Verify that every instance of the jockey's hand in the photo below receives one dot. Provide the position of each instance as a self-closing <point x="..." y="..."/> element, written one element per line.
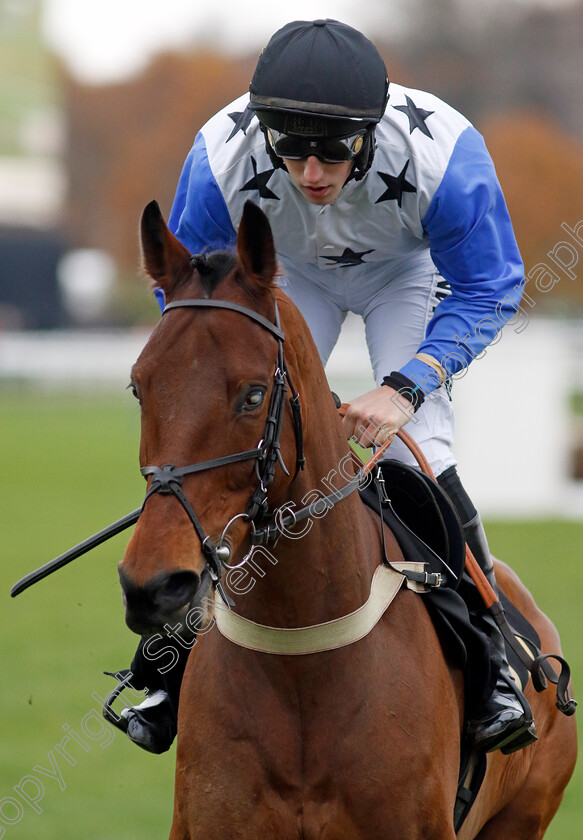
<point x="375" y="415"/>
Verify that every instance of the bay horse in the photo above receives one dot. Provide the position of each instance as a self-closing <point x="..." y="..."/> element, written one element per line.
<point x="360" y="742"/>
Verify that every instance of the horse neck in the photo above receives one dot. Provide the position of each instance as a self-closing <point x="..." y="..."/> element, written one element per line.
<point x="323" y="568"/>
<point x="318" y="571"/>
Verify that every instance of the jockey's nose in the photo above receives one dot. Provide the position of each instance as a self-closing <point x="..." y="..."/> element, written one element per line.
<point x="313" y="169"/>
<point x="158" y="601"/>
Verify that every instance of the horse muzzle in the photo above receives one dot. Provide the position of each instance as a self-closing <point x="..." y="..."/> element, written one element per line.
<point x="162" y="601"/>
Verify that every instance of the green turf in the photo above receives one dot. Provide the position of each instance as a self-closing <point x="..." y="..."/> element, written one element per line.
<point x="547" y="555"/>
<point x="68" y="466"/>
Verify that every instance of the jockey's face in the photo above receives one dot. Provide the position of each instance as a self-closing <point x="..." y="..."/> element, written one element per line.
<point x="318" y="182"/>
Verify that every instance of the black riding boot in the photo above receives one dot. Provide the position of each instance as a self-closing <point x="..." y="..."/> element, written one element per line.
<point x="505" y="720"/>
<point x="504" y="723"/>
<point x="152" y="725"/>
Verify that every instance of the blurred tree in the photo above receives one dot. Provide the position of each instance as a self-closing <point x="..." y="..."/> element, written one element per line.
<point x="483" y="57"/>
<point x="540" y="168"/>
<point x="127" y="143"/>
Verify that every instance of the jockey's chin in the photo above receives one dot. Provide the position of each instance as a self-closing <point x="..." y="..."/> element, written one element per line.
<point x="319" y="183"/>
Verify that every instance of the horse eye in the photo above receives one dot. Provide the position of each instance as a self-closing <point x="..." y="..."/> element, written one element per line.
<point x="131" y="387"/>
<point x="254" y="398"/>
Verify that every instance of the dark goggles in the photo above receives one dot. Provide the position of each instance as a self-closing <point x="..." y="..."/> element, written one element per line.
<point x="326" y="149"/>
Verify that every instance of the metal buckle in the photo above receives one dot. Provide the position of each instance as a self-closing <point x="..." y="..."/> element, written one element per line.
<point x="382" y="486"/>
<point x="433" y="579"/>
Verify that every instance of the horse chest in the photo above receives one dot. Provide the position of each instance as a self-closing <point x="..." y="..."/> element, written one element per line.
<point x="303" y="752"/>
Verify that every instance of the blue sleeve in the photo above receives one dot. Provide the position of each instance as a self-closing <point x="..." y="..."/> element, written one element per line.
<point x="473" y="246"/>
<point x="199" y="217"/>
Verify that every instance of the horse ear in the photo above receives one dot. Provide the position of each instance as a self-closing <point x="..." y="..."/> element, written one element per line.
<point x="164" y="258"/>
<point x="255" y="247"/>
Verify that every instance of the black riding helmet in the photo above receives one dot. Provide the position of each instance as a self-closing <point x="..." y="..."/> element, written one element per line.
<point x="320" y="79"/>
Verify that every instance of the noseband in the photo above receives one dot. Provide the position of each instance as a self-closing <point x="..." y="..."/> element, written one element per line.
<point x="168" y="478"/>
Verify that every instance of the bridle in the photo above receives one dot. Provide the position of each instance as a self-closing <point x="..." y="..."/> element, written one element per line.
<point x="168" y="478"/>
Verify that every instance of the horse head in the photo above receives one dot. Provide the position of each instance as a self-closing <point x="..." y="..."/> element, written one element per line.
<point x="216" y="429"/>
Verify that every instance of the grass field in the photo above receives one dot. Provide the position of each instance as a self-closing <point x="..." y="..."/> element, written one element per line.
<point x="68" y="467"/>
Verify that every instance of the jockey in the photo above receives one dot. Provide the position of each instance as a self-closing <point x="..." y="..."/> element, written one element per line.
<point x="383" y="202"/>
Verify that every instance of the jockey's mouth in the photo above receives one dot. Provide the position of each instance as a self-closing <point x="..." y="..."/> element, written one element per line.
<point x="316" y="192"/>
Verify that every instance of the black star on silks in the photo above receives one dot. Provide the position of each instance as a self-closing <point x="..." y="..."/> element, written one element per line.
<point x="349" y="257"/>
<point x="242" y="120"/>
<point x="417" y="117"/>
<point x="443" y="290"/>
<point x="259" y="182"/>
<point x="396" y="186"/>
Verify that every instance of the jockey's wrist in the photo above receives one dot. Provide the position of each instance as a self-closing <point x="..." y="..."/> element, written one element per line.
<point x="406" y="388"/>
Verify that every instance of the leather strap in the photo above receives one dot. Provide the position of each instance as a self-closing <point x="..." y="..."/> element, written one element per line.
<point x="202" y="303"/>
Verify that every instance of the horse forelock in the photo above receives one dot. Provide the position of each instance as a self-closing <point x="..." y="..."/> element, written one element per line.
<point x="211" y="269"/>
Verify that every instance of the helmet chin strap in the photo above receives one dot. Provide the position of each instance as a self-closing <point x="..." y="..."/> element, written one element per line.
<point x="275" y="159"/>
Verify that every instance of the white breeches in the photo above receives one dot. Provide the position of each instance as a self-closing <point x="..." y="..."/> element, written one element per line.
<point x="396" y="301"/>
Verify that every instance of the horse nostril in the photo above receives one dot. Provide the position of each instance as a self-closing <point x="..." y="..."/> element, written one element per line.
<point x="176" y="590"/>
